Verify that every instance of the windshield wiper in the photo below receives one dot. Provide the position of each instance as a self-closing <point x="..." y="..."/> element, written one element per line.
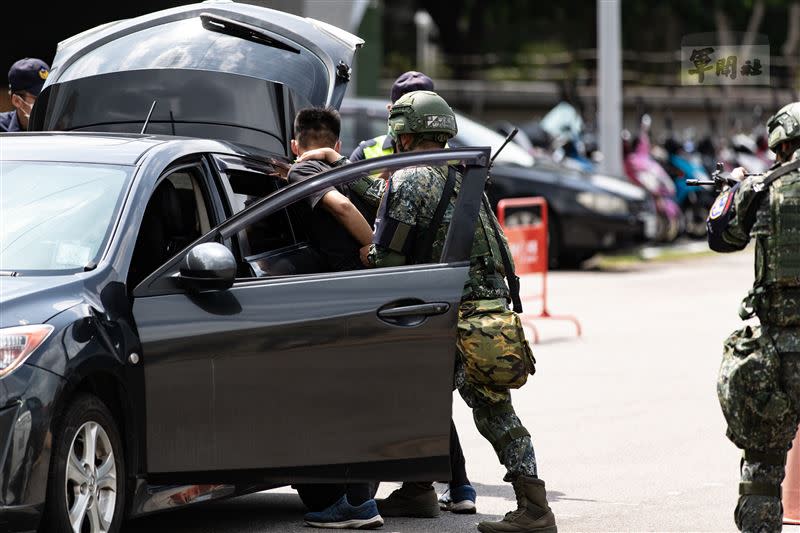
<point x="9" y="273"/>
<point x="243" y="31"/>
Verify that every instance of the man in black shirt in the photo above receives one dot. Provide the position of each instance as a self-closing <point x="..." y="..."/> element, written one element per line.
<point x="338" y="229"/>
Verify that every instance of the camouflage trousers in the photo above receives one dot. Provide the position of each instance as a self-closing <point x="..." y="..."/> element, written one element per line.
<point x="757" y="513"/>
<point x="516" y="454"/>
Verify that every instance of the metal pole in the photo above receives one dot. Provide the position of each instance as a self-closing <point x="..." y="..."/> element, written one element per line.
<point x="609" y="85"/>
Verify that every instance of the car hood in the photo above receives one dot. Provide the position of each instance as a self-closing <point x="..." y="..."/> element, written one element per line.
<point x="223" y="70"/>
<point x="35" y="299"/>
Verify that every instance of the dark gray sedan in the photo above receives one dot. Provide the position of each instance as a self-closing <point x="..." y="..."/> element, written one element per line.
<point x="160" y="345"/>
<point x="168" y="334"/>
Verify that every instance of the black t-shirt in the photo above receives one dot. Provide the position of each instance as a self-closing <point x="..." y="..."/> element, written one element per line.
<point x="328" y="236"/>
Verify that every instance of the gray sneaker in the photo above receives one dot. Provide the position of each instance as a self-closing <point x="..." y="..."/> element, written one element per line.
<point x="415" y="500"/>
<point x="459" y="500"/>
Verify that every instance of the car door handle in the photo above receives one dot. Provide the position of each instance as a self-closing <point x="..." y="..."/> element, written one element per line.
<point x="426" y="309"/>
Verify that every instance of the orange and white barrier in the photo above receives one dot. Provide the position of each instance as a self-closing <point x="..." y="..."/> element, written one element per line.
<point x="528" y="243"/>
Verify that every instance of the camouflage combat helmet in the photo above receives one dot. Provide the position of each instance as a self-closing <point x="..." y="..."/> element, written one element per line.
<point x="422" y="113"/>
<point x="784" y="125"/>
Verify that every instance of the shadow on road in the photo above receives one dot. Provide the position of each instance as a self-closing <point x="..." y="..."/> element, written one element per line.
<point x="505" y="491"/>
<point x="254" y="512"/>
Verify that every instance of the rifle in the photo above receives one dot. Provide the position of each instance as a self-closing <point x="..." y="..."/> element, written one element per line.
<point x="718" y="181"/>
<point x="508" y="139"/>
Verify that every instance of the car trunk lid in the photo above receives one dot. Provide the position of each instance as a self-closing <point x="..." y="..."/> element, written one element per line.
<point x="223" y="70"/>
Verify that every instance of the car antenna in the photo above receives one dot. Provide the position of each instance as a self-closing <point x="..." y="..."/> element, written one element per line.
<point x="508" y="140"/>
<point x="147" y="120"/>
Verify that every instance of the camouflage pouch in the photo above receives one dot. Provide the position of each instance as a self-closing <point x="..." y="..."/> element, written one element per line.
<point x="758" y="411"/>
<point x="492" y="343"/>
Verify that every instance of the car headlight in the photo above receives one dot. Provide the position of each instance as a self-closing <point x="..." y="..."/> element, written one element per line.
<point x="18" y="342"/>
<point x="603" y="203"/>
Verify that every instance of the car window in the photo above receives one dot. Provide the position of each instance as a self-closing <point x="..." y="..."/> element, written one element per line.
<point x="177" y="213"/>
<point x="301" y="257"/>
<point x="323" y="244"/>
<point x="271" y="233"/>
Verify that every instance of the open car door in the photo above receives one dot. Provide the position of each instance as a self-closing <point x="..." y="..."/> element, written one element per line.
<point x="312" y="377"/>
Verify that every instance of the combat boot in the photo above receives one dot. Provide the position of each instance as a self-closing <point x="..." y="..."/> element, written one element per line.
<point x="415" y="500"/>
<point x="533" y="515"/>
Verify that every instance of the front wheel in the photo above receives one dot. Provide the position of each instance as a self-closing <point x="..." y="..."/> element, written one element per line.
<point x="86" y="489"/>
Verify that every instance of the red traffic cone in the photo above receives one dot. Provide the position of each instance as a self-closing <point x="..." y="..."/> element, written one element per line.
<point x="791" y="484"/>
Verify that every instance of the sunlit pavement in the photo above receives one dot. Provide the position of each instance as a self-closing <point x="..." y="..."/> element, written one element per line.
<point x="628" y="432"/>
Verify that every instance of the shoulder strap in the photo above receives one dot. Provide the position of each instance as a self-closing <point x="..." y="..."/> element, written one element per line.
<point x="781" y="171"/>
<point x="425" y="246"/>
<point x="768" y="181"/>
<point x="508" y="266"/>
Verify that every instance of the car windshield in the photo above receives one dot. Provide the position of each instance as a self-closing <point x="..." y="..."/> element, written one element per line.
<point x="470" y="133"/>
<point x="57" y="217"/>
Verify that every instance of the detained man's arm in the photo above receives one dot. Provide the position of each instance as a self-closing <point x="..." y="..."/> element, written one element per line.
<point x="348" y="216"/>
<point x="368" y="188"/>
<point x="321" y="154"/>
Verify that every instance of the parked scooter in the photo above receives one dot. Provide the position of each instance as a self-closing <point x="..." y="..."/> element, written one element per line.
<point x="694" y="201"/>
<point x="644" y="170"/>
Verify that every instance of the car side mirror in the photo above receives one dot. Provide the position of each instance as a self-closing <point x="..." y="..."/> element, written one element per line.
<point x="209" y="266"/>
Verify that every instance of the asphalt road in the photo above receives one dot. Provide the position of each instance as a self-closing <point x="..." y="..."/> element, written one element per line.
<point x="628" y="432"/>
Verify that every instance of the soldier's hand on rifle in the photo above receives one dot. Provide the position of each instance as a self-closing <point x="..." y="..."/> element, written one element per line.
<point x="738" y="173"/>
<point x="719" y="180"/>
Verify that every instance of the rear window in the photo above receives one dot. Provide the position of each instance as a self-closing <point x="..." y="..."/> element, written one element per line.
<point x="187" y="45"/>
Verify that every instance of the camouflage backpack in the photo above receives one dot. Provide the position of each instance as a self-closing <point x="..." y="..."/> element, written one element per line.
<point x="492" y="343"/>
<point x="759" y="413"/>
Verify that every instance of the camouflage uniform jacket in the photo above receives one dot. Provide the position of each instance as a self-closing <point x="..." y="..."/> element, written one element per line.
<point x="772" y="219"/>
<point x="413" y="198"/>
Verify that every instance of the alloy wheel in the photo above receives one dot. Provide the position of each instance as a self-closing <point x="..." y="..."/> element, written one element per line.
<point x="91" y="480"/>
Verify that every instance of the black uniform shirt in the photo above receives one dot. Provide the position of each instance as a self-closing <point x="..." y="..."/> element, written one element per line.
<point x="328" y="236"/>
<point x="9" y="122"/>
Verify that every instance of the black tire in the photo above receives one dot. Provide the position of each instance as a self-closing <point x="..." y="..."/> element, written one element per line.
<point x="83" y="411"/>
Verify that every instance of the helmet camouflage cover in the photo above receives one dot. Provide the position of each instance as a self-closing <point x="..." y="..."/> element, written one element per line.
<point x="784" y="125"/>
<point x="422" y="113"/>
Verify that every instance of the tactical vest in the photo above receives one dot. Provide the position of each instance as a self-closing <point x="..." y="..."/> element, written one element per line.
<point x="776" y="231"/>
<point x="376" y="150"/>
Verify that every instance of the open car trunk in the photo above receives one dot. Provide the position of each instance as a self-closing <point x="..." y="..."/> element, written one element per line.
<point x="227" y="71"/>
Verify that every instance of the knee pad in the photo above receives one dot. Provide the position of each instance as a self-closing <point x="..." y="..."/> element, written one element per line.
<point x="499" y="425"/>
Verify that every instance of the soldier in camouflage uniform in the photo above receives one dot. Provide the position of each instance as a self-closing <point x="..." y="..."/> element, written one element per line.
<point x="759" y="381"/>
<point x="492" y="352"/>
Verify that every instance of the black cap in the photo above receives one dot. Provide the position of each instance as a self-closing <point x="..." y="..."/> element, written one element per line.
<point x="29" y="75"/>
<point x="410" y="81"/>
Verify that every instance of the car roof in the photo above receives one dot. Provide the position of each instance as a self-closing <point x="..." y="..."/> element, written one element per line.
<point x="84" y="147"/>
